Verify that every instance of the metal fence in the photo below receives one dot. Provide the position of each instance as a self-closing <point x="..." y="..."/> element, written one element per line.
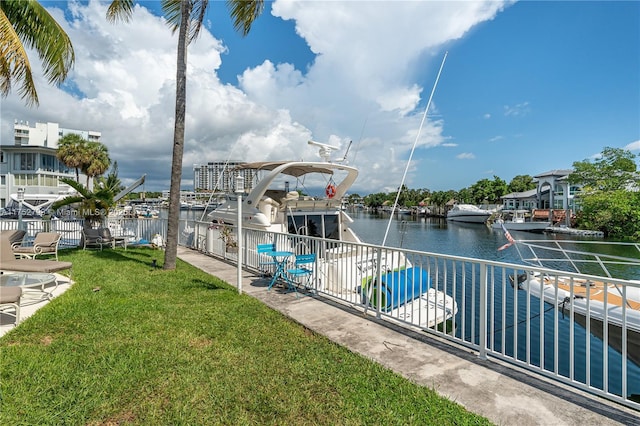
<point x="501" y="312"/>
<point x="547" y="331"/>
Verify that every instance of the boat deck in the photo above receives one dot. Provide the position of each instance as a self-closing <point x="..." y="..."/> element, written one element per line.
<point x="595" y="290"/>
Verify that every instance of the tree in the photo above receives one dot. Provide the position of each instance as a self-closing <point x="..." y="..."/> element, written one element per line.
<point x="26" y="24"/>
<point x="97" y="160"/>
<point x="72" y="152"/>
<point x="92" y="158"/>
<point x="616" y="213"/>
<point x="94" y="205"/>
<point x="521" y="183"/>
<point x="615" y="169"/>
<point x="186" y="17"/>
<point x="609" y="199"/>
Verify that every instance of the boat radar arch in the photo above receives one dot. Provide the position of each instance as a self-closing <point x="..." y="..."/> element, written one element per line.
<point x="325" y="150"/>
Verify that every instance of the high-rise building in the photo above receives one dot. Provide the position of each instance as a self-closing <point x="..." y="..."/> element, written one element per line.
<point x="220" y="176"/>
<point x="29" y="166"/>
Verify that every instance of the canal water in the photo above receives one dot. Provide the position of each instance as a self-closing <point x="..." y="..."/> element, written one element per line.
<point x="437" y="235"/>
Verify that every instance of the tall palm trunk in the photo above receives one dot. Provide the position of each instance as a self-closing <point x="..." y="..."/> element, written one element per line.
<point x="171" y="252"/>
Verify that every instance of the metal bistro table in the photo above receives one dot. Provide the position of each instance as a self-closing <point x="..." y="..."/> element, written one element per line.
<point x="280" y="257"/>
<point x="31" y="281"/>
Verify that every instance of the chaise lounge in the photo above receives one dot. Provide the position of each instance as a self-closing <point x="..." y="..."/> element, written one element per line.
<point x="8" y="261"/>
<point x="15" y="236"/>
<point x="45" y="244"/>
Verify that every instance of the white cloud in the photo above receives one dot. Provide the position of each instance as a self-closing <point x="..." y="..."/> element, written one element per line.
<point x="466" y="156"/>
<point x="362" y="82"/>
<point x="633" y="146"/>
<point x="517" y="110"/>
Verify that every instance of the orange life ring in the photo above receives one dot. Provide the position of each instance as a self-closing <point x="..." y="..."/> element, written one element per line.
<point x="330" y="190"/>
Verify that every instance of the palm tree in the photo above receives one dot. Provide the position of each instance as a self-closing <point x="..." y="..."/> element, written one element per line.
<point x="186" y="17"/>
<point x="25" y="23"/>
<point x="97" y="160"/>
<point x="72" y="152"/>
<point x="94" y="205"/>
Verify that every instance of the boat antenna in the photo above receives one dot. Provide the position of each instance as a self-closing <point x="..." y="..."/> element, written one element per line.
<point x="325" y="150"/>
<point x="424" y="116"/>
<point x="344" y="158"/>
<point x="217" y="186"/>
<point x="360" y="140"/>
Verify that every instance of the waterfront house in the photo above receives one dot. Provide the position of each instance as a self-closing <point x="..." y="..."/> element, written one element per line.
<point x="29" y="168"/>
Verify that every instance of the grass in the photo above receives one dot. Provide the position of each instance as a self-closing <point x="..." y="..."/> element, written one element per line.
<point x="128" y="344"/>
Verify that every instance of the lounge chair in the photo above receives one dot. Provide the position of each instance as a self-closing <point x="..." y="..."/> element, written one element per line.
<point x="10" y="301"/>
<point x="15" y="236"/>
<point x="45" y="244"/>
<point x="8" y="261"/>
<point x="97" y="238"/>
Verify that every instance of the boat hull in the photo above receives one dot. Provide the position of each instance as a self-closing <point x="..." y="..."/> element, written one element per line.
<point x="585" y="305"/>
<point x="469" y="217"/>
<point x="521" y="226"/>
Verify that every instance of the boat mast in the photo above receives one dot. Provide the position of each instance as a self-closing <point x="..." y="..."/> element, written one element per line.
<point x="415" y="142"/>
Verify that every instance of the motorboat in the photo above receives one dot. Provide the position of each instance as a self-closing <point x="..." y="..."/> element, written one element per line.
<point x="468" y="213"/>
<point x="518" y="220"/>
<point x="313" y="208"/>
<point x="611" y="297"/>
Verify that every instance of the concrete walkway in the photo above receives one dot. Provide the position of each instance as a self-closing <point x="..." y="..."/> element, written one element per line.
<point x="500" y="392"/>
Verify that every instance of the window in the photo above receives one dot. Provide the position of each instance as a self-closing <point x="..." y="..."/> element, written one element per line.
<point x="323" y="226"/>
<point x="26" y="161"/>
<point x="48" y="162"/>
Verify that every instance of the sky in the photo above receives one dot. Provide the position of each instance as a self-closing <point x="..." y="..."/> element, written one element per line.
<point x="526" y="87"/>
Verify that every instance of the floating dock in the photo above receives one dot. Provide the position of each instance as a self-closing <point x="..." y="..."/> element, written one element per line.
<point x="573" y="231"/>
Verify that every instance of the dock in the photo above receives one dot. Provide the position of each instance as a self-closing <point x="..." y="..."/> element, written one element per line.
<point x="573" y="231"/>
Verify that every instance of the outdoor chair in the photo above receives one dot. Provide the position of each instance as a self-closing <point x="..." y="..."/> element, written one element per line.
<point x="45" y="244"/>
<point x="264" y="251"/>
<point x="15" y="236"/>
<point x="10" y="302"/>
<point x="302" y="271"/>
<point x="8" y="261"/>
<point x="97" y="238"/>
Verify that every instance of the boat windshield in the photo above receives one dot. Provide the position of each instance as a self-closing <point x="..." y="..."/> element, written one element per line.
<point x="315" y="225"/>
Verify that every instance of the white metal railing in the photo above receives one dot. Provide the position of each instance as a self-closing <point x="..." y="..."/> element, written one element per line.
<point x="560" y="335"/>
<point x="503" y="310"/>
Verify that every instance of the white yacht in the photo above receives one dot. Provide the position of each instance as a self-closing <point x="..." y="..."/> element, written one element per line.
<point x="519" y="220"/>
<point x="272" y="205"/>
<point x="468" y="213"/>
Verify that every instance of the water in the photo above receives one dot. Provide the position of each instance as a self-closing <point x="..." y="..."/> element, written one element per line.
<point x="478" y="241"/>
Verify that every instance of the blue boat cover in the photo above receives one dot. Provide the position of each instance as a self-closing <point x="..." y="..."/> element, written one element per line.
<point x="399" y="287"/>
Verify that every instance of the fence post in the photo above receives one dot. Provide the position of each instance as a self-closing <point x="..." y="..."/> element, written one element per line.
<point x="482" y="344"/>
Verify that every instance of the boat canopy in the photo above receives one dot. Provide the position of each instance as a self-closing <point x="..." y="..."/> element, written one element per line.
<point x="295" y="170"/>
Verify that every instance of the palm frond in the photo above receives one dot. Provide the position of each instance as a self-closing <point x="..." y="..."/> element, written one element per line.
<point x="120" y="10"/>
<point x="244" y="13"/>
<point x="76" y="185"/>
<point x="37" y="29"/>
<point x="173" y="13"/>
<point x="14" y="62"/>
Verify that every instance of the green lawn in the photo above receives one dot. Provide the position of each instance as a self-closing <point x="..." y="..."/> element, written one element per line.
<point x="128" y="344"/>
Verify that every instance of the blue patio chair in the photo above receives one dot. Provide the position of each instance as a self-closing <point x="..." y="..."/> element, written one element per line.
<point x="302" y="271"/>
<point x="264" y="265"/>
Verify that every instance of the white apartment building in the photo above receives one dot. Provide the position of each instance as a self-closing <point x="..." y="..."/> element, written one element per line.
<point x="30" y="165"/>
<point x="220" y="176"/>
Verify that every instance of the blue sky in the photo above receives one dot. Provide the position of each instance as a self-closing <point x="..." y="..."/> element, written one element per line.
<point x="527" y="87"/>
